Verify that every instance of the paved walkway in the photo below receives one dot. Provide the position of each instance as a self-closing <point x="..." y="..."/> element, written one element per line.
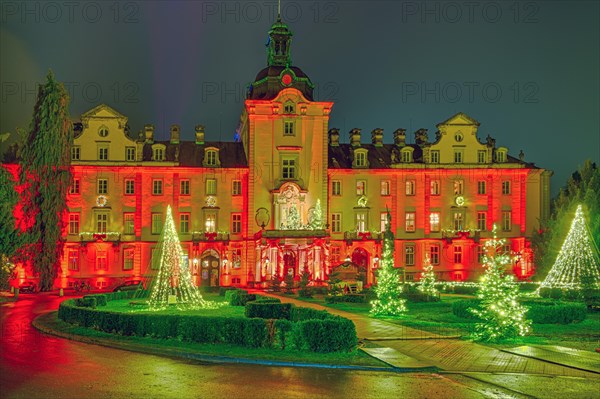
<point x="425" y="349"/>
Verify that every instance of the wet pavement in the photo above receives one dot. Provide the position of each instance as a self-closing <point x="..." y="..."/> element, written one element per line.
<point x="34" y="365"/>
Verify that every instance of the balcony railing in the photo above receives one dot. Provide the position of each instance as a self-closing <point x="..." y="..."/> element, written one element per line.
<point x="109" y="236"/>
<point x="203" y="236"/>
<point x="362" y="235"/>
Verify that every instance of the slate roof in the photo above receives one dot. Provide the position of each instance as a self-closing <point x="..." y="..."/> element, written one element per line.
<point x="340" y="157"/>
<point x="231" y="154"/>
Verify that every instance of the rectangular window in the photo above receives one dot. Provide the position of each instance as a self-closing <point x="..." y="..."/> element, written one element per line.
<point x="288" y="168"/>
<point x="236" y="223"/>
<point x="435" y="187"/>
<point x="458" y="156"/>
<point x="129" y="186"/>
<point x="482" y="221"/>
<point x="335" y="255"/>
<point x="101" y="260"/>
<point x="435" y="156"/>
<point x="409" y="255"/>
<point x="184" y="187"/>
<point x="128" y="256"/>
<point x="361" y="159"/>
<point x="74" y="189"/>
<point x="410" y="222"/>
<point x="382" y="221"/>
<point x="336" y="222"/>
<point x="73" y="223"/>
<point x="457" y="254"/>
<point x="157" y="223"/>
<point x="211" y="158"/>
<point x="458" y="221"/>
<point x="506" y="187"/>
<point x="75" y="153"/>
<point x="211" y="186"/>
<point x="155" y="261"/>
<point x="434" y="255"/>
<point x="73" y="259"/>
<point x="101" y="222"/>
<point x="480" y="254"/>
<point x="385" y="188"/>
<point x="129" y="223"/>
<point x="236" y="258"/>
<point x="102" y="186"/>
<point x="336" y="188"/>
<point x="288" y="128"/>
<point x="434" y="222"/>
<point x="210" y="223"/>
<point x="130" y="153"/>
<point x="506" y="220"/>
<point x="361" y="187"/>
<point x="157" y="187"/>
<point x="103" y="153"/>
<point x="236" y="187"/>
<point x="481" y="156"/>
<point x="361" y="222"/>
<point x="506" y="249"/>
<point x="481" y="188"/>
<point x="406" y="156"/>
<point x="410" y="187"/>
<point x="184" y="223"/>
<point x="458" y="187"/>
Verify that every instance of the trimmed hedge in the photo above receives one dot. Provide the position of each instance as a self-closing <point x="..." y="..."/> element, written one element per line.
<point x="540" y="311"/>
<point x="309" y="329"/>
<point x="266" y="299"/>
<point x="268" y="310"/>
<point x="239" y="297"/>
<point x="223" y="290"/>
<point x="558" y="313"/>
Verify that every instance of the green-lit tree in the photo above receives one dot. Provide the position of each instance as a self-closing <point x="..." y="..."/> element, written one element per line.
<point x="173" y="283"/>
<point x="316" y="222"/>
<point x="577" y="259"/>
<point x="388" y="289"/>
<point x="582" y="188"/>
<point x="45" y="175"/>
<point x="10" y="240"/>
<point x="305" y="290"/>
<point x="428" y="280"/>
<point x="502" y="315"/>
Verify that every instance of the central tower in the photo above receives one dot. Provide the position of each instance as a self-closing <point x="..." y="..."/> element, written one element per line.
<point x="284" y="132"/>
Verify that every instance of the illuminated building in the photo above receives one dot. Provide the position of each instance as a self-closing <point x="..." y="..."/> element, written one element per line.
<point x="246" y="209"/>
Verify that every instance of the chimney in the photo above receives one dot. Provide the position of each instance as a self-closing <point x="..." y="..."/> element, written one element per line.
<point x="421" y="137"/>
<point x="199" y="134"/>
<point x="149" y="132"/>
<point x="355" y="137"/>
<point x="334" y="137"/>
<point x="400" y="137"/>
<point x="174" y="134"/>
<point x="377" y="137"/>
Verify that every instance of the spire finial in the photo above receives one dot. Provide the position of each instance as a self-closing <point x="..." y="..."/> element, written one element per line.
<point x="278" y="10"/>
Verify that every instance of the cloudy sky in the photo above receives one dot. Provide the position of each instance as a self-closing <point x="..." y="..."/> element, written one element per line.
<point x="528" y="71"/>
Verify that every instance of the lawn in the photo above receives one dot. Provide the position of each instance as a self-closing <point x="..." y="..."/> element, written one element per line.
<point x="437" y="317"/>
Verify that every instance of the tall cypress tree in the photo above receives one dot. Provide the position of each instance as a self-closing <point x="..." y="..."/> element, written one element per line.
<point x="10" y="239"/>
<point x="46" y="175"/>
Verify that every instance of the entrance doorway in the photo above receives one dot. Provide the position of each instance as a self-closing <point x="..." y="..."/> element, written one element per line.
<point x="210" y="266"/>
<point x="289" y="264"/>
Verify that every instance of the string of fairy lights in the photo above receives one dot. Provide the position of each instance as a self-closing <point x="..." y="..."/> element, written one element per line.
<point x="173" y="283"/>
<point x="577" y="262"/>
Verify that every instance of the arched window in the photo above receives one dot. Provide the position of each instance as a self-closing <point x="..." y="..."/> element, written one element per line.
<point x="103" y="131"/>
<point x="158" y="152"/>
<point x="360" y="158"/>
<point x="407" y="154"/>
<point x="211" y="157"/>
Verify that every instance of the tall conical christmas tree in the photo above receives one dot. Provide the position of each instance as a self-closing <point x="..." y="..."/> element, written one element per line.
<point x="388" y="289"/>
<point x="173" y="283"/>
<point x="292" y="221"/>
<point x="502" y="316"/>
<point x="316" y="222"/>
<point x="427" y="282"/>
<point x="577" y="258"/>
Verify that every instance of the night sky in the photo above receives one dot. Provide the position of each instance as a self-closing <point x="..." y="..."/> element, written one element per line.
<point x="528" y="71"/>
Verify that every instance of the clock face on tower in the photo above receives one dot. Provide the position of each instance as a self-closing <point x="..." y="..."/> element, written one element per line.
<point x="460" y="200"/>
<point x="286" y="79"/>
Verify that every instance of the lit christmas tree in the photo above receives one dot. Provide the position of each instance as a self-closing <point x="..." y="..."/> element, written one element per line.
<point x="427" y="282"/>
<point x="316" y="222"/>
<point x="388" y="289"/>
<point x="292" y="221"/>
<point x="577" y="259"/>
<point x="173" y="283"/>
<point x="502" y="316"/>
